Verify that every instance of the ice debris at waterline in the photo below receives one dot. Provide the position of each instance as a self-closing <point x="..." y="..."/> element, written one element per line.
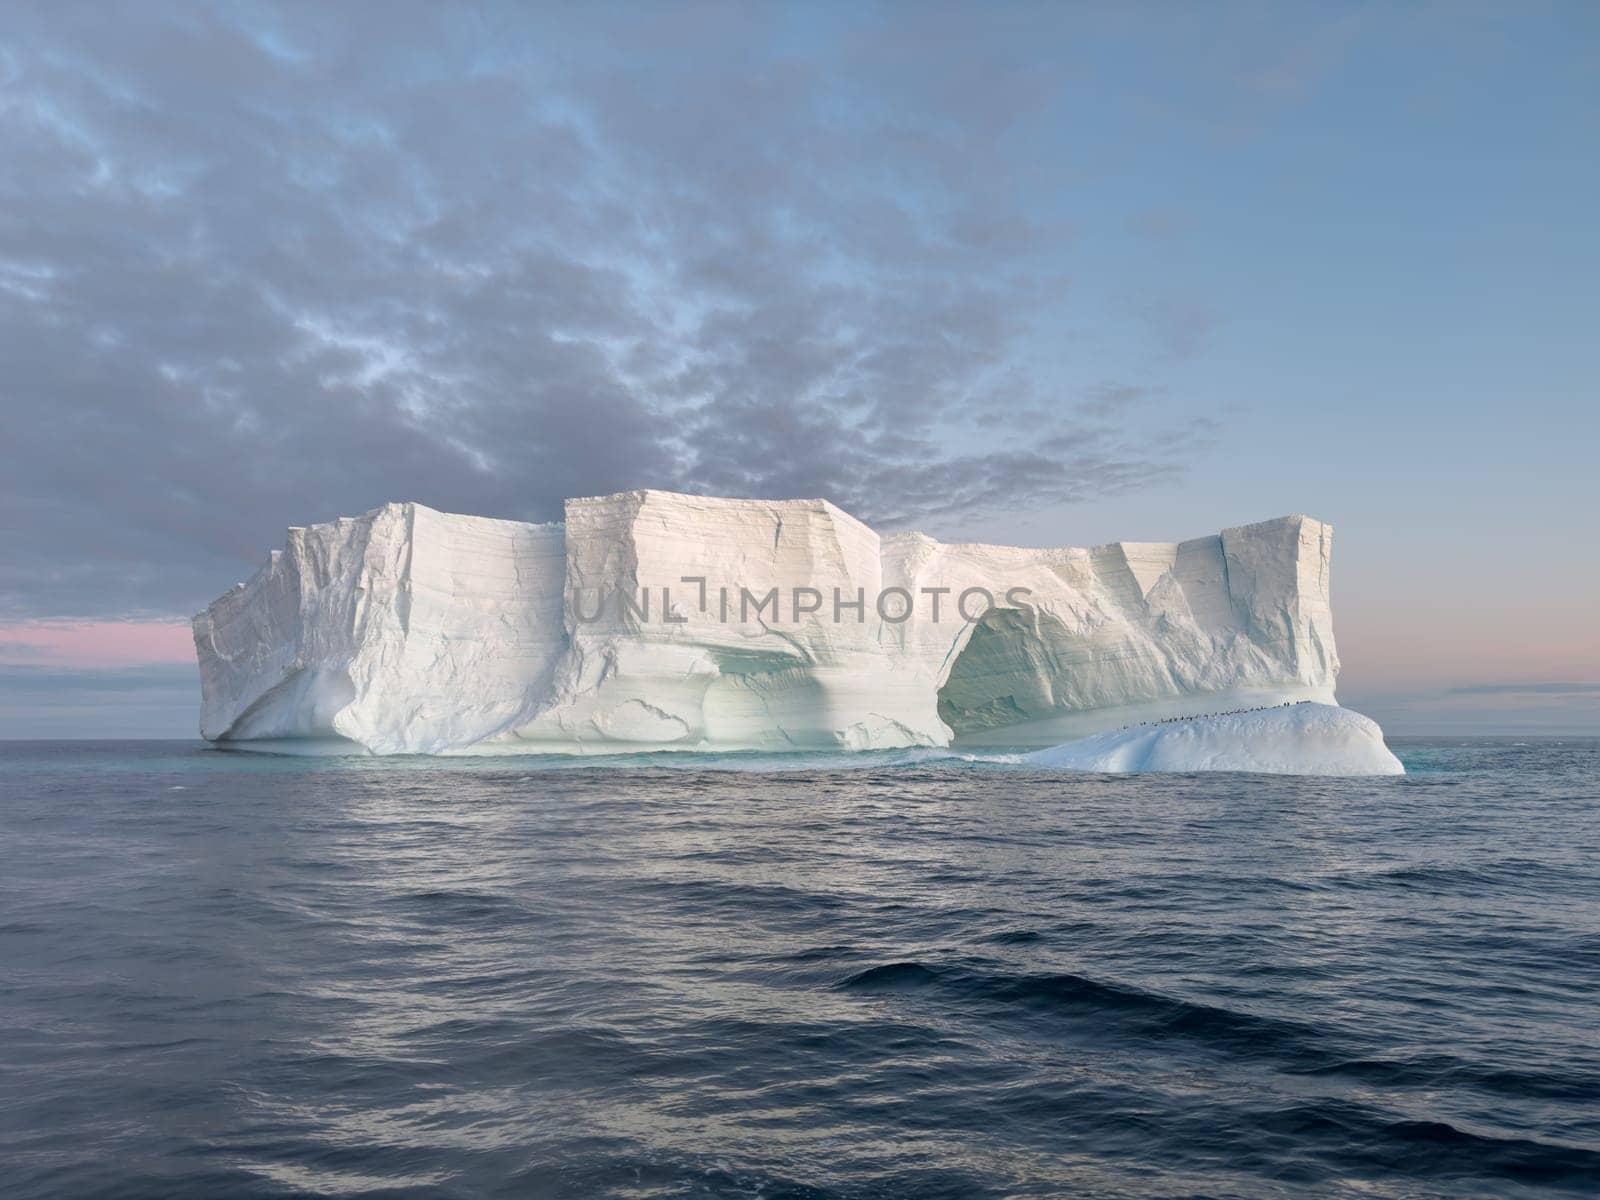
<point x="654" y="621"/>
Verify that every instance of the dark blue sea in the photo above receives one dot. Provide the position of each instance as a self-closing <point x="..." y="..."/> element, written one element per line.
<point x="230" y="975"/>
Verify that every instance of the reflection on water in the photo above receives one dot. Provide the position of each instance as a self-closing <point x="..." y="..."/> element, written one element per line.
<point x="244" y="975"/>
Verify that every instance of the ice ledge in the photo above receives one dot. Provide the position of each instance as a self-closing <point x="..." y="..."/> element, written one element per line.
<point x="1293" y="739"/>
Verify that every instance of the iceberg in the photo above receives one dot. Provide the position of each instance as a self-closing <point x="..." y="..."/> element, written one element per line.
<point x="1293" y="739"/>
<point x="650" y="620"/>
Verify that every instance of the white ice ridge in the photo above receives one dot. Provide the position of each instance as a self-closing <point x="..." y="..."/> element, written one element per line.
<point x="649" y="620"/>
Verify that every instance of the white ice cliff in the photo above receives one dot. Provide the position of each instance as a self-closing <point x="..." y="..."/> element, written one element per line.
<point x="650" y="620"/>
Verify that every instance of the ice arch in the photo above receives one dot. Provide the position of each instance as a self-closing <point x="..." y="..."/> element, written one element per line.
<point x="1004" y="675"/>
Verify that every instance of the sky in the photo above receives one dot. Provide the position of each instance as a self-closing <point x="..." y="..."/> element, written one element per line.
<point x="1044" y="274"/>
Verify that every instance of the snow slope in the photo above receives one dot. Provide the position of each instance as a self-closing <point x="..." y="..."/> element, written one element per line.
<point x="1300" y="739"/>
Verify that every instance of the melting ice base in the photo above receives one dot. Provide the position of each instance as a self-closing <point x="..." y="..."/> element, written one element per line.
<point x="1298" y="739"/>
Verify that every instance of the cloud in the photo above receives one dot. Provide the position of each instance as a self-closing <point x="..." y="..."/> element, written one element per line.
<point x="1531" y="689"/>
<point x="1180" y="329"/>
<point x="1108" y="400"/>
<point x="97" y="643"/>
<point x="264" y="266"/>
<point x="1156" y="224"/>
<point x="60" y="702"/>
<point x="1485" y="708"/>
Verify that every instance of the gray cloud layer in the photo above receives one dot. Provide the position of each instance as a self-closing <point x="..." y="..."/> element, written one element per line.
<point x="266" y="266"/>
<point x="58" y="702"/>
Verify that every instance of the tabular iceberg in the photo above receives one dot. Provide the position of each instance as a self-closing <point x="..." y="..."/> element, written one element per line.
<point x="650" y="620"/>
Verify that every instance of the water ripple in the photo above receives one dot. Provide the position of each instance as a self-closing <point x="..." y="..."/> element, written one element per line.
<point x="239" y="976"/>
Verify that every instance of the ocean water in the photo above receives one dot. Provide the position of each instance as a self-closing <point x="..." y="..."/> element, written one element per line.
<point x="227" y="975"/>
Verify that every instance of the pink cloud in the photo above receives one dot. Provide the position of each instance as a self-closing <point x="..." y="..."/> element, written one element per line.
<point x="96" y="643"/>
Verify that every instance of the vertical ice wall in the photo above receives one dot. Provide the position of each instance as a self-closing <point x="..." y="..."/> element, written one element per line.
<point x="410" y="630"/>
<point x="404" y="630"/>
